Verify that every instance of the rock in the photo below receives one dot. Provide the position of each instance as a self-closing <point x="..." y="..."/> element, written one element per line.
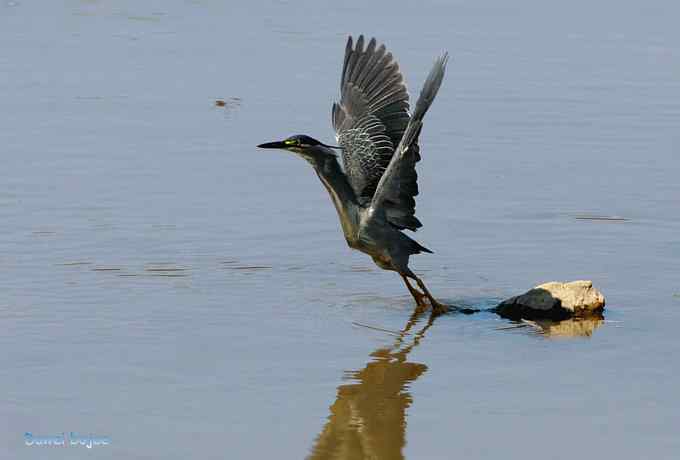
<point x="554" y="300"/>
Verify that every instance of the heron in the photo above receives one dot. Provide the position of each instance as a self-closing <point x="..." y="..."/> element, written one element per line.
<point x="377" y="135"/>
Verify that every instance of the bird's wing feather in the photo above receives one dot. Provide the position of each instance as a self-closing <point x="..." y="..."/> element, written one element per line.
<point x="393" y="193"/>
<point x="370" y="118"/>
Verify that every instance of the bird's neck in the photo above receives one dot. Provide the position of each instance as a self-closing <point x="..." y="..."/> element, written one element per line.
<point x="342" y="194"/>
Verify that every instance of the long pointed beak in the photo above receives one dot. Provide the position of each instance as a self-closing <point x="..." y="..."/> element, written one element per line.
<point x="273" y="145"/>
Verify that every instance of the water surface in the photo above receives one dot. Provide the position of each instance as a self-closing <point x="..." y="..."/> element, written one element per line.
<point x="166" y="284"/>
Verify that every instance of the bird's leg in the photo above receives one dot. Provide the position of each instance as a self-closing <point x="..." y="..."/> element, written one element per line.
<point x="437" y="308"/>
<point x="419" y="297"/>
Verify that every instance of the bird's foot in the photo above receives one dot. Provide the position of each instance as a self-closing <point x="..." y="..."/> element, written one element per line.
<point x="420" y="309"/>
<point x="423" y="298"/>
<point x="439" y="308"/>
<point x="423" y="302"/>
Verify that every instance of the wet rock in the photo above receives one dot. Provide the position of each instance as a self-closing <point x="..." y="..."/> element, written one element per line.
<point x="554" y="300"/>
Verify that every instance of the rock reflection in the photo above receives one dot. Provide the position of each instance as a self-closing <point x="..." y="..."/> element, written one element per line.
<point x="368" y="418"/>
<point x="572" y="327"/>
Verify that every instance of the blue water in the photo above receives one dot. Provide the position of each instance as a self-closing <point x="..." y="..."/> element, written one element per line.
<point x="167" y="285"/>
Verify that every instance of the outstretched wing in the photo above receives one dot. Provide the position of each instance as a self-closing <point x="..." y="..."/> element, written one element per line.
<point x="369" y="122"/>
<point x="391" y="193"/>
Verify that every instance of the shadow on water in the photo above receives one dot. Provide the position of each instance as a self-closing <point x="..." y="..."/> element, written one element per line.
<point x="368" y="418"/>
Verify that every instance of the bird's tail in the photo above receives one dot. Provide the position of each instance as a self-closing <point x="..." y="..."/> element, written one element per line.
<point x="414" y="247"/>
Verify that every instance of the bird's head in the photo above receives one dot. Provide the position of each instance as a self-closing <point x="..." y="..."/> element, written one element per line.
<point x="300" y="144"/>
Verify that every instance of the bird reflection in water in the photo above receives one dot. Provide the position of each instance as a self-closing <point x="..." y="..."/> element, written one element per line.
<point x="368" y="418"/>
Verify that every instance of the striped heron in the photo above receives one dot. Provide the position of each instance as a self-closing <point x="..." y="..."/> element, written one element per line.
<point x="374" y="191"/>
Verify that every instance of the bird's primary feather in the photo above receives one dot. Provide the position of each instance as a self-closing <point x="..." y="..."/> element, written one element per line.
<point x="369" y="122"/>
<point x="390" y="194"/>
